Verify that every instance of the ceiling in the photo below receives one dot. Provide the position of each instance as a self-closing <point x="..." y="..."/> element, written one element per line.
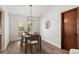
<point x="24" y="10"/>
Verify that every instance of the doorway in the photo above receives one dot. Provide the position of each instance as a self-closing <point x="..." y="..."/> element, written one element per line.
<point x="69" y="29"/>
<point x="0" y="30"/>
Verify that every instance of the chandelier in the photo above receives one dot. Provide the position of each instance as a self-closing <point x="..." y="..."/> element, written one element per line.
<point x="30" y="17"/>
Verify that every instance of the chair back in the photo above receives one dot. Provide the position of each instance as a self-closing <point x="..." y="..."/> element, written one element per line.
<point x="34" y="37"/>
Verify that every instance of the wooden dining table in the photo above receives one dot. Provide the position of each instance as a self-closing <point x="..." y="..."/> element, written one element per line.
<point x="26" y="37"/>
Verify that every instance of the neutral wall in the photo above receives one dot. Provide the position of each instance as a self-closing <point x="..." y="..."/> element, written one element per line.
<point x="5" y="36"/>
<point x="53" y="34"/>
<point x="13" y="23"/>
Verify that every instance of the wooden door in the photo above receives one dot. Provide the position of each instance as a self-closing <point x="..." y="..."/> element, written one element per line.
<point x="0" y="42"/>
<point x="0" y="30"/>
<point x="69" y="40"/>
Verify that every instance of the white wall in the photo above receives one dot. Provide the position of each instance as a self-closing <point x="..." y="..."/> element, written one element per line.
<point x="14" y="21"/>
<point x="36" y="25"/>
<point x="5" y="37"/>
<point x="53" y="34"/>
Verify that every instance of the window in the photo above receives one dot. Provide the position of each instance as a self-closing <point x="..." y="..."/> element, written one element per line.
<point x="21" y="27"/>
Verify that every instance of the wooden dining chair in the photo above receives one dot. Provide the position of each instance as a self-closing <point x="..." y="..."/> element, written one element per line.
<point x="22" y="39"/>
<point x="33" y="41"/>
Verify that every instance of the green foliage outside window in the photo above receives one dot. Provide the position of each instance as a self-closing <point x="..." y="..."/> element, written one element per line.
<point x="29" y="27"/>
<point x="21" y="27"/>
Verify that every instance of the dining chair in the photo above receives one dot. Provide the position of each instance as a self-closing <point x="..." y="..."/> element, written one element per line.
<point x="23" y="34"/>
<point x="22" y="39"/>
<point x="33" y="41"/>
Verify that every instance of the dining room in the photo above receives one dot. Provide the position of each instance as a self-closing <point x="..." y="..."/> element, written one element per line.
<point x="33" y="29"/>
<point x="25" y="22"/>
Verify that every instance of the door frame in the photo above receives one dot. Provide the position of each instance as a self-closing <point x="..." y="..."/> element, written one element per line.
<point x="62" y="25"/>
<point x="2" y="38"/>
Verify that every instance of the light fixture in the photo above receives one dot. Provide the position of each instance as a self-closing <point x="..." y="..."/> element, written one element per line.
<point x="30" y="17"/>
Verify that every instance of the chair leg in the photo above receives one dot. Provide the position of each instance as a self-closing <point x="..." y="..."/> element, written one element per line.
<point x="30" y="48"/>
<point x="21" y="44"/>
<point x="40" y="47"/>
<point x="37" y="47"/>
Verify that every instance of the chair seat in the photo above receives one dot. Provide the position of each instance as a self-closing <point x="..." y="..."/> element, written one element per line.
<point x="19" y="38"/>
<point x="32" y="42"/>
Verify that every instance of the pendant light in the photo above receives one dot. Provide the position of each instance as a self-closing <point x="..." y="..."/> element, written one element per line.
<point x="30" y="17"/>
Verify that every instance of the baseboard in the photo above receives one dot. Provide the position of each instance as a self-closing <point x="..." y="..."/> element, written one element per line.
<point x="3" y="49"/>
<point x="49" y="44"/>
<point x="14" y="41"/>
<point x="50" y="49"/>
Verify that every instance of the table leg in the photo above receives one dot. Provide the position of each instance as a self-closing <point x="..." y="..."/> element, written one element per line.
<point x="21" y="43"/>
<point x="25" y="45"/>
<point x="40" y="43"/>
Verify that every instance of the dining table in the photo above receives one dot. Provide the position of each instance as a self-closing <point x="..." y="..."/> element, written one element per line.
<point x="26" y="37"/>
